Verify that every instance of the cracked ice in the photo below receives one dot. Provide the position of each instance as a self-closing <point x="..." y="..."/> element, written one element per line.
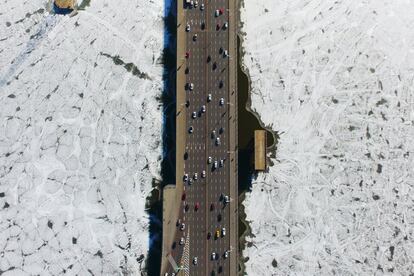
<point x="79" y="136"/>
<point x="335" y="80"/>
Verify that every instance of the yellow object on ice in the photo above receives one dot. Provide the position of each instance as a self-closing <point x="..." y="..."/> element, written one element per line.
<point x="65" y="4"/>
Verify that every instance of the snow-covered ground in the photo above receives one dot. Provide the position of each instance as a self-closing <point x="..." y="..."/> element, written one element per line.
<point x="336" y="80"/>
<point x="79" y="136"/>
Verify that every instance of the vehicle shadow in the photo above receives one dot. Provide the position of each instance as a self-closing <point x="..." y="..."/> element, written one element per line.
<point x="167" y="101"/>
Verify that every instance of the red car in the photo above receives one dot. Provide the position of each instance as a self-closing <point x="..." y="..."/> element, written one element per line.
<point x="197" y="205"/>
<point x="212" y="207"/>
<point x="187" y="54"/>
<point x="218" y="27"/>
<point x="183" y="196"/>
<point x="221" y="11"/>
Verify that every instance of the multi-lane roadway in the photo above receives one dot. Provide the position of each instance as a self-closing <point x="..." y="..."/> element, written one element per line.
<point x="205" y="240"/>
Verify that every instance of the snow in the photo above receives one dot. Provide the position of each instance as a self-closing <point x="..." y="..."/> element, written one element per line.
<point x="79" y="136"/>
<point x="335" y="80"/>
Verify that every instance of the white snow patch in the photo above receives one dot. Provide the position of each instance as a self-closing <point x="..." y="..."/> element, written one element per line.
<point x="335" y="80"/>
<point x="79" y="136"/>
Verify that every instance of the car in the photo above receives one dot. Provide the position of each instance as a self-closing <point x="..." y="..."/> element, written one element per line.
<point x="186" y="207"/>
<point x="213" y="134"/>
<point x="226" y="53"/>
<point x="221" y="10"/>
<point x="226" y="254"/>
<point x="187" y="54"/>
<point x="209" y="98"/>
<point x="221" y="84"/>
<point x="215" y="165"/>
<point x="217" y="13"/>
<point x="182" y="241"/>
<point x="202" y="7"/>
<point x="221" y="130"/>
<point x="196" y="206"/>
<point x="194" y="115"/>
<point x="182" y="227"/>
<point x="218" y="142"/>
<point x="178" y="222"/>
<point x="225" y="25"/>
<point x="219" y="217"/>
<point x="221" y="197"/>
<point x="220" y="269"/>
<point x="203" y="174"/>
<point x="203" y="108"/>
<point x="183" y="196"/>
<point x="187" y="103"/>
<point x="214" y="66"/>
<point x="221" y="102"/>
<point x="195" y="260"/>
<point x="218" y="27"/>
<point x="208" y="58"/>
<point x="221" y="50"/>
<point x="187" y="28"/>
<point x="217" y="234"/>
<point x="226" y="199"/>
<point x="213" y="273"/>
<point x="191" y="86"/>
<point x="223" y="231"/>
<point x="208" y="235"/>
<point x="195" y="176"/>
<point x="203" y="25"/>
<point x="185" y="177"/>
<point x="190" y="181"/>
<point x="190" y="129"/>
<point x="211" y="206"/>
<point x="221" y="164"/>
<point x="209" y="160"/>
<point x="195" y="4"/>
<point x="187" y="70"/>
<point x="195" y="36"/>
<point x="213" y="255"/>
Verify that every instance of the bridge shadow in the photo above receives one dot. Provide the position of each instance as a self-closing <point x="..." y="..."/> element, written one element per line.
<point x="167" y="101"/>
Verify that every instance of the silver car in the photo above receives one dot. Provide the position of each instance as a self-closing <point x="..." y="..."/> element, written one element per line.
<point x="213" y="134"/>
<point x="195" y="260"/>
<point x="221" y="101"/>
<point x="221" y="163"/>
<point x="194" y="115"/>
<point x="209" y="98"/>
<point x="182" y="241"/>
<point x="196" y="4"/>
<point x="213" y="255"/>
<point x="226" y="254"/>
<point x="215" y="165"/>
<point x="185" y="177"/>
<point x="195" y="176"/>
<point x="195" y="37"/>
<point x="202" y="7"/>
<point x="209" y="160"/>
<point x="203" y="109"/>
<point x="218" y="141"/>
<point x="217" y="13"/>
<point x="223" y="231"/>
<point x="187" y="28"/>
<point x="203" y="174"/>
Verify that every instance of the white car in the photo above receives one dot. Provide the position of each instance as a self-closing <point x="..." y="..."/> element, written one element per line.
<point x="213" y="255"/>
<point x="223" y="231"/>
<point x="202" y="7"/>
<point x="194" y="115"/>
<point x="190" y="129"/>
<point x="226" y="53"/>
<point x="195" y="37"/>
<point x="182" y="227"/>
<point x="218" y="141"/>
<point x="226" y="254"/>
<point x="191" y="85"/>
<point x="209" y="160"/>
<point x="203" y="109"/>
<point x="190" y="181"/>
<point x="226" y="199"/>
<point x="226" y="25"/>
<point x="187" y="28"/>
<point x="185" y="177"/>
<point x="217" y="13"/>
<point x="215" y="164"/>
<point x="221" y="101"/>
<point x="203" y="174"/>
<point x="209" y="98"/>
<point x="196" y="4"/>
<point x="195" y="260"/>
<point x="195" y="176"/>
<point x="182" y="241"/>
